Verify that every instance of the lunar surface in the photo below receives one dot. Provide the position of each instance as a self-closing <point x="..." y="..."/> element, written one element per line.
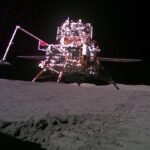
<point x="59" y="116"/>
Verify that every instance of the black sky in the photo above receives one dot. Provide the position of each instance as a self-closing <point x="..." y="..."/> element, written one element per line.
<point x="116" y="23"/>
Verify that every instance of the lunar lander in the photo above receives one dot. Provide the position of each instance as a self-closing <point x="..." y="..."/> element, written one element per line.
<point x="75" y="51"/>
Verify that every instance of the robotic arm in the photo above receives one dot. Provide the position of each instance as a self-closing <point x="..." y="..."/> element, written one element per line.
<point x="3" y="60"/>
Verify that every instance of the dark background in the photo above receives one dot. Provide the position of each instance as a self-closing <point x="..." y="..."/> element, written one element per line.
<point x="120" y="27"/>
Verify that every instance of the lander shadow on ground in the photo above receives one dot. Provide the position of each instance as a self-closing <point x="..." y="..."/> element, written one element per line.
<point x="132" y="74"/>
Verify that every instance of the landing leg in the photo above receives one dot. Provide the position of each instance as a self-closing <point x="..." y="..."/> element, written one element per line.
<point x="38" y="75"/>
<point x="104" y="75"/>
<point x="79" y="83"/>
<point x="62" y="71"/>
<point x="114" y="83"/>
<point x="60" y="76"/>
